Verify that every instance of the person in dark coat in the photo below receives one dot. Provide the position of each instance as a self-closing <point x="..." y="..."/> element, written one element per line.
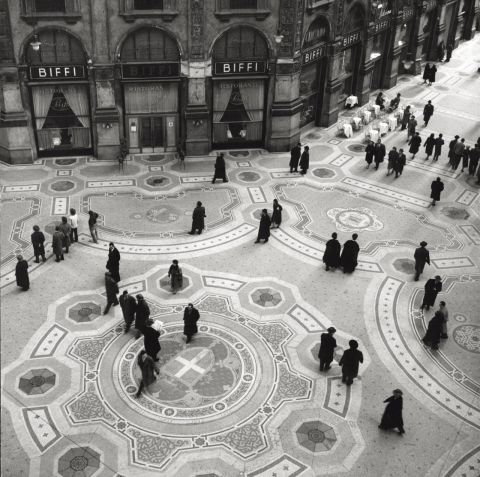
<point x="451" y="146"/>
<point x="150" y="340"/>
<point x="379" y="153"/>
<point x="436" y="188"/>
<point x="439" y="142"/>
<point x="426" y="73"/>
<point x="392" y="159"/>
<point x="305" y="160"/>
<point x="331" y="257"/>
<point x="38" y="243"/>
<point x="57" y="244"/>
<point x="412" y="126"/>
<point x="457" y="153"/>
<point x="394" y="103"/>
<point x="415" y="144"/>
<point x="432" y="75"/>
<point x="113" y="262"/>
<point x="465" y="158"/>
<point x="142" y="314"/>
<point x="21" y="273"/>
<point x="92" y="225"/>
<point x="111" y="289"/>
<point x="392" y="416"/>
<point x="369" y="150"/>
<point x="66" y="229"/>
<point x="190" y="318"/>
<point x="176" y="277"/>
<point x="441" y="51"/>
<point x="434" y="330"/>
<point x="433" y="287"/>
<point x="276" y="214"/>
<point x="421" y="256"/>
<point x="380" y="100"/>
<point x="148" y="369"/>
<point x="198" y="219"/>
<point x="350" y="362"/>
<point x="327" y="347"/>
<point x="295" y="154"/>
<point x="474" y="157"/>
<point x="400" y="163"/>
<point x="406" y="117"/>
<point x="220" y="169"/>
<point x="348" y="259"/>
<point x="428" y="112"/>
<point x="429" y="145"/>
<point x="264" y="227"/>
<point x="449" y="51"/>
<point x="128" y="304"/>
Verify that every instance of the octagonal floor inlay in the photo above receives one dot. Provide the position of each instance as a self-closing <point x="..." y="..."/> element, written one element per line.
<point x="79" y="462"/>
<point x="37" y="381"/>
<point x="316" y="436"/>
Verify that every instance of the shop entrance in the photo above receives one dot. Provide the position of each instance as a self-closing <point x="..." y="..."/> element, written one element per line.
<point x="151" y="133"/>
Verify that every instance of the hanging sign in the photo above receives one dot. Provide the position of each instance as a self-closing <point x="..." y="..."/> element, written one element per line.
<point x="351" y="38"/>
<point x="223" y="68"/>
<point x="57" y="72"/>
<point x="313" y="54"/>
<point x="151" y="71"/>
<point x="381" y="25"/>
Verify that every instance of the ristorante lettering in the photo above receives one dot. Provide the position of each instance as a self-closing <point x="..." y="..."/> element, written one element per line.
<point x="150" y="70"/>
<point x="57" y="72"/>
<point x="240" y="68"/>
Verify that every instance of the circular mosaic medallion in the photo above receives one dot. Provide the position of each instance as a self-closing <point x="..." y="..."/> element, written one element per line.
<point x="158" y="181"/>
<point x="353" y="219"/>
<point x="324" y="172"/>
<point x="468" y="337"/>
<point x="163" y="214"/>
<point x="249" y="176"/>
<point x="356" y="147"/>
<point x="404" y="265"/>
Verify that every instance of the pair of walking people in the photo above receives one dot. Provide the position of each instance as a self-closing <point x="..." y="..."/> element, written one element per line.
<point x="347" y="259"/>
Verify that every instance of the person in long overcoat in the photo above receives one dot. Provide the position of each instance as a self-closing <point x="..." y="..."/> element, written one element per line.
<point x="276" y="214"/>
<point x="142" y="314"/>
<point x="433" y="287"/>
<point x="66" y="229"/>
<point x="128" y="304"/>
<point x="392" y="159"/>
<point x="38" y="243"/>
<point x="434" y="331"/>
<point x="264" y="227"/>
<point x="415" y="144"/>
<point x="295" y="154"/>
<point x="444" y="311"/>
<point x="428" y="112"/>
<point x="198" y="219"/>
<point x="350" y="362"/>
<point x="436" y="189"/>
<point x="449" y="51"/>
<point x="432" y="75"/>
<point x="21" y="273"/>
<point x="349" y="257"/>
<point x="429" y="145"/>
<point x="421" y="256"/>
<point x="400" y="163"/>
<point x="111" y="290"/>
<point x="305" y="160"/>
<point x="327" y="347"/>
<point x="220" y="169"/>
<point x="148" y="369"/>
<point x="465" y="158"/>
<point x="426" y="73"/>
<point x="451" y="146"/>
<point x="57" y="244"/>
<point x="439" y="142"/>
<point x="113" y="262"/>
<point x="331" y="257"/>
<point x="474" y="158"/>
<point x="176" y="276"/>
<point x="458" y="149"/>
<point x="392" y="416"/>
<point x="369" y="150"/>
<point x="406" y="117"/>
<point x="150" y="340"/>
<point x="379" y="153"/>
<point x="190" y="318"/>
<point x="412" y="126"/>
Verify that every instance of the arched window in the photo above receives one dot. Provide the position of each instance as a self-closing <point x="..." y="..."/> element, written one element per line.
<point x="355" y="19"/>
<point x="240" y="43"/>
<point x="149" y="44"/>
<point x="316" y="33"/>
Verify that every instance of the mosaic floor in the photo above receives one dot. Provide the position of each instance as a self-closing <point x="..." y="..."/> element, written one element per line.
<point x="245" y="397"/>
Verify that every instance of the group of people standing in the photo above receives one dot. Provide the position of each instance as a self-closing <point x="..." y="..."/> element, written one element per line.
<point x="299" y="158"/>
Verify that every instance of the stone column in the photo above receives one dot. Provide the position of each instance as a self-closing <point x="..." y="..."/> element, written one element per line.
<point x="333" y="84"/>
<point x="471" y="13"/>
<point x="395" y="50"/>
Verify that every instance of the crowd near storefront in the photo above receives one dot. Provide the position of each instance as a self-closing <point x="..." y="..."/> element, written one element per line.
<point x="78" y="78"/>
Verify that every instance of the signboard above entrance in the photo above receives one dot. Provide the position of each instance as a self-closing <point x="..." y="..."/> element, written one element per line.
<point x="222" y="68"/>
<point x="57" y="72"/>
<point x="351" y="38"/>
<point x="151" y="71"/>
<point x="313" y="54"/>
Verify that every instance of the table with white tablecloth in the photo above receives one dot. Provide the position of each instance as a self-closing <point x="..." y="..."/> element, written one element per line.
<point x="356" y="120"/>
<point x="373" y="134"/>
<point x="367" y="115"/>
<point x="376" y="109"/>
<point x="383" y="128"/>
<point x="392" y="123"/>
<point x="351" y="101"/>
<point x="400" y="114"/>
<point x="347" y="129"/>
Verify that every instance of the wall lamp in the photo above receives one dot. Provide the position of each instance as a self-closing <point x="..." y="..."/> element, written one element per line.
<point x="278" y="37"/>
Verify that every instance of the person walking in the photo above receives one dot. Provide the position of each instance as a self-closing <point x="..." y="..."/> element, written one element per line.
<point x="350" y="362"/>
<point x="150" y="340"/>
<point x="181" y="156"/>
<point x="327" y="347"/>
<point x="198" y="219"/>
<point x="400" y="163"/>
<point x="429" y="144"/>
<point x="148" y="369"/>
<point x="349" y="256"/>
<point x="379" y="153"/>
<point x="434" y="331"/>
<point x="458" y="149"/>
<point x="426" y="73"/>
<point x="142" y="314"/>
<point x="412" y="127"/>
<point x="406" y="117"/>
<point x="111" y="289"/>
<point x="465" y="158"/>
<point x="92" y="225"/>
<point x="369" y="151"/>
<point x="305" y="160"/>
<point x="436" y="189"/>
<point x="392" y="159"/>
<point x="276" y="214"/>
<point x="474" y="157"/>
<point x="439" y="142"/>
<point x="331" y="256"/>
<point x="74" y="225"/>
<point x="444" y="311"/>
<point x="21" y="273"/>
<point x="449" y="51"/>
<point x="295" y="154"/>
<point x="57" y="244"/>
<point x="427" y="112"/>
<point x="176" y="277"/>
<point x="113" y="262"/>
<point x="38" y="244"/>
<point x="432" y="75"/>
<point x="451" y="155"/>
<point x="220" y="169"/>
<point x="415" y="144"/>
<point x="433" y="287"/>
<point x="128" y="304"/>
<point x="190" y="318"/>
<point x="421" y="256"/>
<point x="392" y="415"/>
<point x="65" y="228"/>
<point x="264" y="227"/>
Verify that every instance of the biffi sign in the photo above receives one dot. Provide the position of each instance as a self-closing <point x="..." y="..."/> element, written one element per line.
<point x="57" y="72"/>
<point x="223" y="68"/>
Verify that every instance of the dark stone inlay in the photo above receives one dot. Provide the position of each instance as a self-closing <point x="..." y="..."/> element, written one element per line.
<point x="239" y="153"/>
<point x="404" y="265"/>
<point x="324" y="173"/>
<point x="153" y="157"/>
<point x="65" y="162"/>
<point x="79" y="463"/>
<point x="157" y="181"/>
<point x="356" y="147"/>
<point x="37" y="381"/>
<point x="455" y="213"/>
<point x="85" y="312"/>
<point x="62" y="186"/>
<point x="249" y="176"/>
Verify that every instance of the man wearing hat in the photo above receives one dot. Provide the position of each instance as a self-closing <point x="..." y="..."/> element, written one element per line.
<point x="327" y="347"/>
<point x="421" y="256"/>
<point x="350" y="362"/>
<point x="142" y="314"/>
<point x="432" y="288"/>
<point x="392" y="416"/>
<point x="451" y="155"/>
<point x="295" y="154"/>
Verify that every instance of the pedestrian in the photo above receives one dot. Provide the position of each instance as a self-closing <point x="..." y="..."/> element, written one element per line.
<point x="350" y="362"/>
<point x="305" y="160"/>
<point x="415" y="144"/>
<point x="113" y="262"/>
<point x="434" y="331"/>
<point x="465" y="158"/>
<point x="176" y="277"/>
<point x="392" y="416"/>
<point x="436" y="188"/>
<point x="121" y="162"/>
<point x="426" y="73"/>
<point x="57" y="244"/>
<point x="21" y="273"/>
<point x="111" y="289"/>
<point x="474" y="157"/>
<point x="449" y="51"/>
<point x="198" y="219"/>
<point x="439" y="142"/>
<point x="412" y="127"/>
<point x="451" y="155"/>
<point x="327" y="347"/>
<point x="406" y="117"/>
<point x="427" y="112"/>
<point x="443" y="309"/>
<point x="440" y="51"/>
<point x="92" y="225"/>
<point x="400" y="163"/>
<point x="379" y="153"/>
<point x="369" y="151"/>
<point x="380" y="100"/>
<point x="181" y="156"/>
<point x="295" y="154"/>
<point x="220" y="169"/>
<point x="264" y="227"/>
<point x="458" y="149"/>
<point x="331" y="256"/>
<point x="123" y="148"/>
<point x="190" y="318"/>
<point x="142" y="314"/>
<point x="38" y="243"/>
<point x="128" y="304"/>
<point x="432" y="75"/>
<point x="148" y="369"/>
<point x="392" y="158"/>
<point x="74" y="225"/>
<point x="150" y="340"/>
<point x="276" y="214"/>
<point x="349" y="257"/>
<point x="433" y="287"/>
<point x="421" y="256"/>
<point x="429" y="144"/>
<point x="66" y="229"/>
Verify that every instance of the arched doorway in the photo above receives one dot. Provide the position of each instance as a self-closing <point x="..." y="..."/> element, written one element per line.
<point x="239" y="74"/>
<point x="150" y="72"/>
<point x="59" y="94"/>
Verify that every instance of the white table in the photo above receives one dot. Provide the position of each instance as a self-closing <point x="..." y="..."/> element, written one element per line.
<point x="376" y="109"/>
<point x="373" y="133"/>
<point x="400" y="113"/>
<point x="347" y="129"/>
<point x="351" y="101"/>
<point x="382" y="128"/>
<point x="367" y="115"/>
<point x="392" y="123"/>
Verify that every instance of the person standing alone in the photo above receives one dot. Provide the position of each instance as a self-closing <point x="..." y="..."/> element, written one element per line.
<point x="38" y="243"/>
<point x="111" y="289"/>
<point x="392" y="416"/>
<point x="74" y="225"/>
<point x="92" y="225"/>
<point x="113" y="262"/>
<point x="21" y="273"/>
<point x="327" y="347"/>
<point x="198" y="219"/>
<point x="421" y="256"/>
<point x="436" y="189"/>
<point x="427" y="112"/>
<point x="350" y="362"/>
<point x="190" y="318"/>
